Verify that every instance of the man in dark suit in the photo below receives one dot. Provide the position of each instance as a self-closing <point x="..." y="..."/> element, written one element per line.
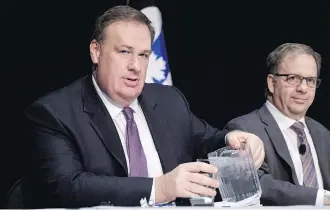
<point x="109" y="137"/>
<point x="296" y="170"/>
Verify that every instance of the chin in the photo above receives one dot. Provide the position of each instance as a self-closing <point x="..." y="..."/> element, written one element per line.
<point x="300" y="111"/>
<point x="132" y="93"/>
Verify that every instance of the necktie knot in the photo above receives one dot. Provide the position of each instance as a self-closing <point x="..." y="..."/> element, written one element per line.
<point x="298" y="128"/>
<point x="128" y="113"/>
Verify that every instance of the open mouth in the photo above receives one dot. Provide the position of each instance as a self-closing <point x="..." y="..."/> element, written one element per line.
<point x="131" y="82"/>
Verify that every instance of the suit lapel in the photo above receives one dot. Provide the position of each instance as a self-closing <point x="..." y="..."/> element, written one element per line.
<point x="321" y="152"/>
<point x="160" y="131"/>
<point x="277" y="138"/>
<point x="102" y="122"/>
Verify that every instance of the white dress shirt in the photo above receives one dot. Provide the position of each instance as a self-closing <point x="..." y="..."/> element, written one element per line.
<point x="153" y="161"/>
<point x="291" y="140"/>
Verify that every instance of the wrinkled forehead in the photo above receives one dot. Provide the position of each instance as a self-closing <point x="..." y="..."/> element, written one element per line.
<point x="129" y="33"/>
<point x="298" y="63"/>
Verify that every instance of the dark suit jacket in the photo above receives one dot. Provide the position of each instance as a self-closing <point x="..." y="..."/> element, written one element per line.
<point x="78" y="157"/>
<point x="277" y="175"/>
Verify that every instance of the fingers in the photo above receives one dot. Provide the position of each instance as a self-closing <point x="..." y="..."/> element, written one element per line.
<point x="259" y="159"/>
<point x="258" y="155"/>
<point x="188" y="194"/>
<point x="199" y="167"/>
<point x="235" y="138"/>
<point x="257" y="152"/>
<point x="203" y="179"/>
<point x="242" y="139"/>
<point x="236" y="144"/>
<point x="190" y="183"/>
<point x="195" y="189"/>
<point x="258" y="163"/>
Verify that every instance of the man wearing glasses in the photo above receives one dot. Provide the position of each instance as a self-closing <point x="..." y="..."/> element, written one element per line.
<point x="296" y="170"/>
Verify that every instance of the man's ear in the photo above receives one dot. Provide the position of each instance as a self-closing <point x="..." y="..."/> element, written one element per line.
<point x="94" y="51"/>
<point x="271" y="83"/>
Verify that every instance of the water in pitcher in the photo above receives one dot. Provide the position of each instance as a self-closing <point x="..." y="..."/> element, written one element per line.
<point x="236" y="173"/>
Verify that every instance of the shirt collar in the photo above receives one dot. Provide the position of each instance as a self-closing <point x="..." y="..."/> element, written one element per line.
<point x="113" y="108"/>
<point x="283" y="121"/>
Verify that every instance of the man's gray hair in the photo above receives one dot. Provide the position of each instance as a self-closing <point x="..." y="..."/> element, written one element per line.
<point x="277" y="56"/>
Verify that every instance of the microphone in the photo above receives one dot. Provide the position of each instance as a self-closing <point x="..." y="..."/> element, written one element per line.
<point x="302" y="149"/>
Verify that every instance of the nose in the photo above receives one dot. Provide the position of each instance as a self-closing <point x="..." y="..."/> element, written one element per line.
<point x="303" y="87"/>
<point x="134" y="64"/>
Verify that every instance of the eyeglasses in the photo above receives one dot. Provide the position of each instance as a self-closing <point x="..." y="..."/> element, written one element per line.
<point x="296" y="80"/>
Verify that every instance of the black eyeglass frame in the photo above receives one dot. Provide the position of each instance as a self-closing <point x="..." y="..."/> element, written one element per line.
<point x="301" y="78"/>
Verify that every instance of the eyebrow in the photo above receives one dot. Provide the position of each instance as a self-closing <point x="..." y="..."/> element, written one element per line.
<point x="303" y="76"/>
<point x="147" y="51"/>
<point x="126" y="46"/>
<point x="131" y="48"/>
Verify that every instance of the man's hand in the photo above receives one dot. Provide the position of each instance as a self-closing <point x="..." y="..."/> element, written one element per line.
<point x="235" y="138"/>
<point x="185" y="181"/>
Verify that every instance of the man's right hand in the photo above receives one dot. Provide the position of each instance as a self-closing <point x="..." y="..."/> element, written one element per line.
<point x="185" y="181"/>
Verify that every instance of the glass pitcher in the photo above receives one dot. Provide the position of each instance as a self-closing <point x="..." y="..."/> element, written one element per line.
<point x="237" y="175"/>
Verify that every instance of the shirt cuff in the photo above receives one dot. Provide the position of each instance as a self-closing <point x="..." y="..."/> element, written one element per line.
<point x="320" y="198"/>
<point x="152" y="196"/>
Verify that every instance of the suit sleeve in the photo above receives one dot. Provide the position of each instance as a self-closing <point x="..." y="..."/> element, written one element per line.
<point x="206" y="138"/>
<point x="277" y="192"/>
<point x="60" y="171"/>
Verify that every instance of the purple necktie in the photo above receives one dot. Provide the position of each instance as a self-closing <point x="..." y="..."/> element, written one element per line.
<point x="137" y="158"/>
<point x="308" y="169"/>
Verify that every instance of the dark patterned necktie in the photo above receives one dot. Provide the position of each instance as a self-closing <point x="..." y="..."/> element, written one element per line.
<point x="137" y="158"/>
<point x="308" y="168"/>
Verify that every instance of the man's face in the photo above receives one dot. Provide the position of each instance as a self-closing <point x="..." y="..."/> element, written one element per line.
<point x="293" y="100"/>
<point x="122" y="60"/>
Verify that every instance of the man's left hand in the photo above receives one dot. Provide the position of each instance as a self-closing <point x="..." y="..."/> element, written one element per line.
<point x="235" y="138"/>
